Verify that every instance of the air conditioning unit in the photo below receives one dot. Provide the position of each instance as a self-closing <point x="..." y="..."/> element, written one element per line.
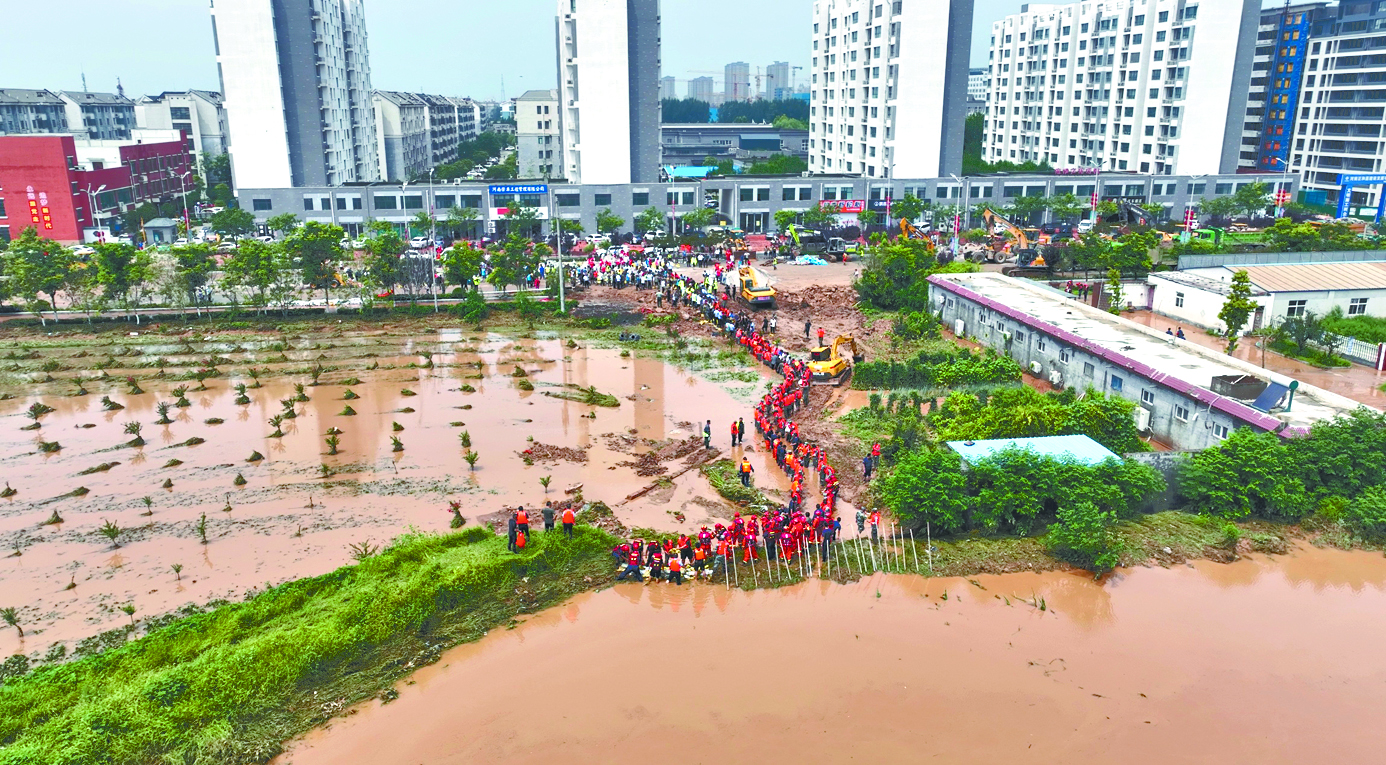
<point x="1142" y="417"/>
<point x="1056" y="378"/>
<point x="958" y="327"/>
<point x="1035" y="367"/>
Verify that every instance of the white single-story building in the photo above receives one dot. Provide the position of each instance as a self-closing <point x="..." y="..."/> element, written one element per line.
<point x="1196" y="296"/>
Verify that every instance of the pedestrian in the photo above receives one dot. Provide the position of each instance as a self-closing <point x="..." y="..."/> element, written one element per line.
<point x="675" y="571"/>
<point x="707" y="435"/>
<point x="741" y="430"/>
<point x="734" y="433"/>
<point x="521" y="520"/>
<point x="820" y="337"/>
<point x="569" y="518"/>
<point x="699" y="560"/>
<point x="807" y="326"/>
<point x="511" y="531"/>
<point x="548" y="515"/>
<point x="746" y="471"/>
<point x="866" y="467"/>
<point x="876" y="455"/>
<point x="774" y="324"/>
<point x="875" y="525"/>
<point x="1180" y="333"/>
<point x="861" y="521"/>
<point x="632" y="567"/>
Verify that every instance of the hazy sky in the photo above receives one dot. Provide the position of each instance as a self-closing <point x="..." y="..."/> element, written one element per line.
<point x="452" y="47"/>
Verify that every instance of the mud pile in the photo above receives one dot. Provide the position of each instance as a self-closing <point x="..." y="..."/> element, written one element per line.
<point x="652" y="463"/>
<point x="550" y="453"/>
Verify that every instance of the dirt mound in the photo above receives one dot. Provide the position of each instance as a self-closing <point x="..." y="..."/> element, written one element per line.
<point x="652" y="463"/>
<point x="549" y="453"/>
<point x="499" y="520"/>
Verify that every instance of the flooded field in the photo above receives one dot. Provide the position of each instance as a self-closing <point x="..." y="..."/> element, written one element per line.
<point x="1263" y="660"/>
<point x="287" y="520"/>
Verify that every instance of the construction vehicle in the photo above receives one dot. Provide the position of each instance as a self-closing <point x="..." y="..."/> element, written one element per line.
<point x="908" y="231"/>
<point x="752" y="287"/>
<point x="1025" y="239"/>
<point x="829" y="366"/>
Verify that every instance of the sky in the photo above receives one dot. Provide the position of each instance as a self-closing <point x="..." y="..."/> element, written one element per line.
<point x="450" y="47"/>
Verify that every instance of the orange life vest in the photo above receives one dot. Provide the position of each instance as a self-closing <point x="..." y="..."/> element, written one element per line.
<point x="568" y="516"/>
<point x="522" y="517"/>
<point x="674" y="564"/>
<point x="520" y="540"/>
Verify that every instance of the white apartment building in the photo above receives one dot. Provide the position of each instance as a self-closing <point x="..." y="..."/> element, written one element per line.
<point x="736" y="81"/>
<point x="537" y="135"/>
<point x="888" y="87"/>
<point x="608" y="82"/>
<point x="198" y="113"/>
<point x="700" y="88"/>
<point x="401" y="135"/>
<point x="1150" y="86"/>
<point x="977" y="83"/>
<point x="1339" y="131"/>
<point x="296" y="78"/>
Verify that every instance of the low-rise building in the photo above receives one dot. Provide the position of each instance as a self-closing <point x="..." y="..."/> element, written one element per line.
<point x="690" y="144"/>
<point x="103" y="116"/>
<point x="1187" y="396"/>
<point x="24" y="111"/>
<point x="1280" y="291"/>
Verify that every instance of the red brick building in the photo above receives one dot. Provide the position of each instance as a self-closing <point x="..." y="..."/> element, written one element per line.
<point x="47" y="183"/>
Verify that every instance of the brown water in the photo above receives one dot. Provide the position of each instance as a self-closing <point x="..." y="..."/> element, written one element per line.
<point x="271" y="534"/>
<point x="1264" y="660"/>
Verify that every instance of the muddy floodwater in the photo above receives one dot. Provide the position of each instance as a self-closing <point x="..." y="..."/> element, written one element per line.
<point x="1266" y="660"/>
<point x="287" y="521"/>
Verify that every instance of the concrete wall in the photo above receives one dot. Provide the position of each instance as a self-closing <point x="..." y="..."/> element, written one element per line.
<point x="645" y="109"/>
<point x="1174" y="418"/>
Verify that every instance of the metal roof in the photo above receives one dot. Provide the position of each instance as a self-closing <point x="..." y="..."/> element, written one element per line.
<point x="28" y="96"/>
<point x="1080" y="448"/>
<point x="1314" y="277"/>
<point x="1205" y="283"/>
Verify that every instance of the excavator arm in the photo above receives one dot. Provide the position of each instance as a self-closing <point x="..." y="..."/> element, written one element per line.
<point x="991" y="217"/>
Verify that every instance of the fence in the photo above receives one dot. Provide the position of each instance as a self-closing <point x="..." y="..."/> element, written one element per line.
<point x="1352" y="349"/>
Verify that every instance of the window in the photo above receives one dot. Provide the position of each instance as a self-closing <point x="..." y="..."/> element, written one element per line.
<point x="1357" y="307"/>
<point x="1089" y="370"/>
<point x="1039" y="343"/>
<point x="1181" y="413"/>
<point x="1297" y="308"/>
<point x="1020" y="337"/>
<point x="1116" y="382"/>
<point x="568" y="200"/>
<point x="1063" y="355"/>
<point x="639" y="198"/>
<point x="308" y="203"/>
<point x="413" y="202"/>
<point x="763" y="195"/>
<point x="386" y="202"/>
<point x="1219" y="431"/>
<point x="806" y="193"/>
<point x="746" y="194"/>
<point x="1147" y="398"/>
<point x="1178" y="300"/>
<point x="601" y="200"/>
<point x="260" y="205"/>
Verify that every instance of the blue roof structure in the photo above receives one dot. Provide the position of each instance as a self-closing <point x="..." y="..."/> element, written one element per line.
<point x="1080" y="448"/>
<point x="695" y="171"/>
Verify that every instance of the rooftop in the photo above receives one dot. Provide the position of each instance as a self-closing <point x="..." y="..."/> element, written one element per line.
<point x="538" y="95"/>
<point x="1312" y="277"/>
<point x="1080" y="448"/>
<point x="26" y="96"/>
<point x="84" y="97"/>
<point x="1205" y="283"/>
<point x="1178" y="364"/>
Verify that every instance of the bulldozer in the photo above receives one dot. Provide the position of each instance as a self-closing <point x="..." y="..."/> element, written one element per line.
<point x="828" y="364"/>
<point x="752" y="287"/>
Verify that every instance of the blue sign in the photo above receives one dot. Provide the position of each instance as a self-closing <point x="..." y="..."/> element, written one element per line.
<point x="520" y="188"/>
<point x="1367" y="178"/>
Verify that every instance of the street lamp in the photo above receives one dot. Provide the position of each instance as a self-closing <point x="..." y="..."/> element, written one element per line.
<point x="91" y="204"/>
<point x="964" y="185"/>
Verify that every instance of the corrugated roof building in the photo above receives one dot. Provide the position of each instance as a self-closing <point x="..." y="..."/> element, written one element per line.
<point x="1280" y="291"/>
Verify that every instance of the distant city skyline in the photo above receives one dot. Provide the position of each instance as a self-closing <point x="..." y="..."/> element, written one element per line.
<point x="507" y="43"/>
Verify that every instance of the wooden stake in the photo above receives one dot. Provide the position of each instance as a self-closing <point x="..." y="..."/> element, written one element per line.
<point x="914" y="548"/>
<point x="929" y="546"/>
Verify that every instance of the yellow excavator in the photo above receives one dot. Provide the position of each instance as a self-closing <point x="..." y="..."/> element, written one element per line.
<point x="752" y="286"/>
<point x="830" y="366"/>
<point x="1025" y="239"/>
<point x="908" y="231"/>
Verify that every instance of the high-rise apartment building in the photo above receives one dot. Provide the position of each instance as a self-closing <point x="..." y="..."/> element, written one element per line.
<point x="668" y="88"/>
<point x="888" y="92"/>
<point x="537" y="135"/>
<point x="608" y="82"/>
<point x="737" y="82"/>
<point x="701" y="89"/>
<point x="1151" y="86"/>
<point x="198" y="113"/>
<point x="401" y="137"/>
<point x="977" y="83"/>
<point x="1273" y="98"/>
<point x="297" y="82"/>
<point x="1340" y="121"/>
<point x="776" y="80"/>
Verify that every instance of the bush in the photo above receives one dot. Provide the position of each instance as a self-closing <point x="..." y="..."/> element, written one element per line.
<point x="937" y="369"/>
<point x="1249" y="474"/>
<point x="926" y="485"/>
<point x="1367" y="514"/>
<point x="1023" y="412"/>
<point x="1084" y="536"/>
<point x="1344" y="456"/>
<point x="915" y="326"/>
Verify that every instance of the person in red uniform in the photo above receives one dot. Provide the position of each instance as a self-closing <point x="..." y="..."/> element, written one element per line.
<point x="632" y="568"/>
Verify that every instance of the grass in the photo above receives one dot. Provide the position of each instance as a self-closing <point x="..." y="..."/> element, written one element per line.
<point x="724" y="478"/>
<point x="232" y="684"/>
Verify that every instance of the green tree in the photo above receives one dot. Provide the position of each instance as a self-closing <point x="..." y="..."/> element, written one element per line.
<point x="1065" y="207"/>
<point x="1300" y="330"/>
<point x="422" y="223"/>
<point x="37" y="266"/>
<point x="461" y="264"/>
<point x="926" y="485"/>
<point x="895" y="276"/>
<point x="785" y="122"/>
<point x="1253" y="198"/>
<point x="1115" y="297"/>
<point x="1237" y="308"/>
<point x="233" y="222"/>
<point x="1026" y="207"/>
<point x="256" y="266"/>
<point x="698" y="218"/>
<point x="192" y="267"/>
<point x="609" y="222"/>
<point x="909" y="207"/>
<point x="384" y="248"/>
<point x="1249" y="474"/>
<point x="1084" y="536"/>
<point x="282" y="223"/>
<point x="463" y="219"/>
<point x="512" y="260"/>
<point x="818" y="217"/>
<point x="1343" y="456"/>
<point x="1218" y="208"/>
<point x="784" y="219"/>
<point x="521" y="220"/>
<point x="315" y="249"/>
<point x="649" y="219"/>
<point x="123" y="272"/>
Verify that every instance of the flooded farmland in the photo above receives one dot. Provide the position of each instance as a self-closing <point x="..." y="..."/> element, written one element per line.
<point x="300" y="509"/>
<point x="1268" y="660"/>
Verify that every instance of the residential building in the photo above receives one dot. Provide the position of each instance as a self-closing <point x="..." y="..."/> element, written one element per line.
<point x="1114" y="85"/>
<point x="608" y="75"/>
<point x="1280" y="290"/>
<point x="296" y="79"/>
<point x="1177" y="385"/>
<point x="444" y="134"/>
<point x="975" y="106"/>
<point x="198" y="113"/>
<point x="25" y="111"/>
<point x="1339" y="129"/>
<point x="104" y="116"/>
<point x="977" y="83"/>
<point x="668" y="88"/>
<point x="736" y="80"/>
<point x="700" y="88"/>
<point x="69" y="187"/>
<point x="1273" y="98"/>
<point x="691" y="144"/>
<point x="401" y="135"/>
<point x="777" y="81"/>
<point x="888" y="87"/>
<point x="468" y="118"/>
<point x="537" y="135"/>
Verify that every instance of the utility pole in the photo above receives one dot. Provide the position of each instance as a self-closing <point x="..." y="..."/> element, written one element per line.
<point x="432" y="241"/>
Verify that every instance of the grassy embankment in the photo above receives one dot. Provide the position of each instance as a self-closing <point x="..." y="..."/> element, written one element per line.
<point x="231" y="685"/>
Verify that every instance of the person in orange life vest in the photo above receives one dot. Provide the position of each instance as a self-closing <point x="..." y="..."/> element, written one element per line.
<point x="569" y="518"/>
<point x="657" y="565"/>
<point x="876" y="454"/>
<point x="685" y="548"/>
<point x="787" y="545"/>
<point x="675" y="571"/>
<point x="749" y="552"/>
<point x="746" y="471"/>
<point x="699" y="560"/>
<point x="521" y="520"/>
<point x="875" y="524"/>
<point x="632" y="568"/>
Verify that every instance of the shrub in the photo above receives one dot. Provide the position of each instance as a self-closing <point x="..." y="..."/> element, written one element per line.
<point x="1084" y="537"/>
<point x="1249" y="474"/>
<point x="926" y="485"/>
<point x="1367" y="514"/>
<point x="942" y="369"/>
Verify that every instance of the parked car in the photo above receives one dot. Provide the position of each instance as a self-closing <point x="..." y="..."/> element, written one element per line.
<point x="418" y="242"/>
<point x="1086" y="225"/>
